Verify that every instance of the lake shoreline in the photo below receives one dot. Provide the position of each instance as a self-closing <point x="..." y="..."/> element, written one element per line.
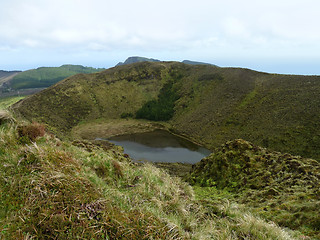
<point x="107" y="128"/>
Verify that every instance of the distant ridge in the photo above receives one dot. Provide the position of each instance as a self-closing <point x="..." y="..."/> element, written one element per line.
<point x="43" y="77"/>
<point x="4" y="74"/>
<point x="136" y="59"/>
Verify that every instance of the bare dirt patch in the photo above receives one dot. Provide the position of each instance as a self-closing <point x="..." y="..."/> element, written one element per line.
<point x="109" y="128"/>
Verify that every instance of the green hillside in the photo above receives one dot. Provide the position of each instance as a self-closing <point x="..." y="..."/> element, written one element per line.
<point x="47" y="76"/>
<point x="212" y="105"/>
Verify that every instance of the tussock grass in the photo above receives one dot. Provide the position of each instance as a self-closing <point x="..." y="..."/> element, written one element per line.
<point x="54" y="190"/>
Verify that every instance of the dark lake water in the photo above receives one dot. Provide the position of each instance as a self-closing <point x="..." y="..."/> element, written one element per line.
<point x="160" y="146"/>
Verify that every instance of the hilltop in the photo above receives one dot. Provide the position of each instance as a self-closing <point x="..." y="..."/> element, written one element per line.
<point x="205" y="103"/>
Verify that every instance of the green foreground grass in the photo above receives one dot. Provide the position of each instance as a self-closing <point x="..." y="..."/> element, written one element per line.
<point x="51" y="189"/>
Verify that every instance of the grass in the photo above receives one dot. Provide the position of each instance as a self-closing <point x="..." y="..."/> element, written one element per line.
<point x="52" y="189"/>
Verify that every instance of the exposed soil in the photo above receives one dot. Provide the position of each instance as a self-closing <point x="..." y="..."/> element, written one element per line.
<point x="114" y="127"/>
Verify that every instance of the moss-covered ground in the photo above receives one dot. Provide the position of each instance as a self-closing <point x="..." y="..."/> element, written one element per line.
<point x="280" y="187"/>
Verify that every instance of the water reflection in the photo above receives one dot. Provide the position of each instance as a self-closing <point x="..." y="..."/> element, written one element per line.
<point x="160" y="146"/>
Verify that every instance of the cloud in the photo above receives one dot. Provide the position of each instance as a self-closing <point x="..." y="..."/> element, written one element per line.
<point x="203" y="28"/>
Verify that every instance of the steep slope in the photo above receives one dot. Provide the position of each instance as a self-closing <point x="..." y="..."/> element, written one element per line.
<point x="212" y="104"/>
<point x="47" y="76"/>
<point x="101" y="95"/>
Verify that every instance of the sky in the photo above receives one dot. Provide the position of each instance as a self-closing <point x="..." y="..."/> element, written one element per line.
<point x="276" y="36"/>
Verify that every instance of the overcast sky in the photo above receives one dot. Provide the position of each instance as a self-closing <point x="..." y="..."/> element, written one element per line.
<point x="267" y="35"/>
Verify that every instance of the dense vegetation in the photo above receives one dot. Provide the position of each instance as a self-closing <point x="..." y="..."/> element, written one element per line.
<point x="215" y="104"/>
<point x="161" y="109"/>
<point x="47" y="76"/>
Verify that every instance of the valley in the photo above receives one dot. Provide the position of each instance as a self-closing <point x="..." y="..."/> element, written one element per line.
<point x="245" y="189"/>
<point x="211" y="105"/>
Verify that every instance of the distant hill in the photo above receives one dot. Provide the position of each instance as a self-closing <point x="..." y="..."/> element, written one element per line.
<point x="206" y="103"/>
<point x="7" y="75"/>
<point x="137" y="59"/>
<point x="131" y="60"/>
<point x="46" y="76"/>
<point x="195" y="63"/>
<point x="4" y="74"/>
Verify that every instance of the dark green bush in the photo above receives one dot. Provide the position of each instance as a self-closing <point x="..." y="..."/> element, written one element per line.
<point x="161" y="109"/>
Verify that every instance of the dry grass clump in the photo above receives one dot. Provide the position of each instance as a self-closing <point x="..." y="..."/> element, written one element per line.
<point x="5" y="117"/>
<point x="47" y="193"/>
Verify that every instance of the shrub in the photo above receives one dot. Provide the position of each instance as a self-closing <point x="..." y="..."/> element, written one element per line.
<point x="127" y="115"/>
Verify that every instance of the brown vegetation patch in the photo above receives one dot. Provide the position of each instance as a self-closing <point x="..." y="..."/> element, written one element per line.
<point x="31" y="131"/>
